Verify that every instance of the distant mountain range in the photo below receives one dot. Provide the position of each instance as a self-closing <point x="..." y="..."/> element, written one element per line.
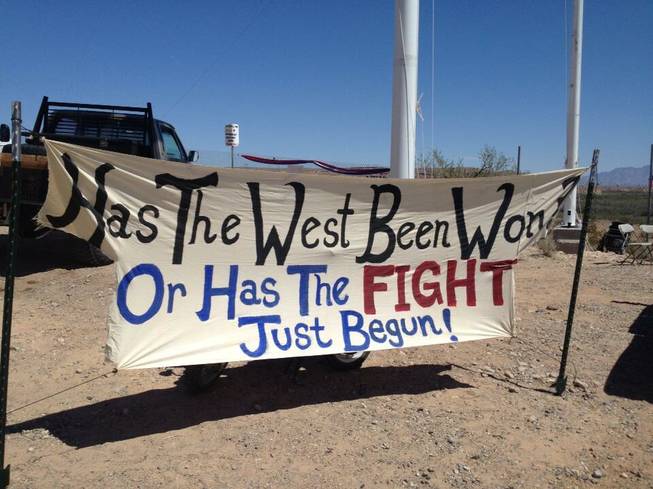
<point x="627" y="177"/>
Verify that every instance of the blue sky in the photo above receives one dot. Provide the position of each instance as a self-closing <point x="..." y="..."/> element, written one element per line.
<point x="311" y="78"/>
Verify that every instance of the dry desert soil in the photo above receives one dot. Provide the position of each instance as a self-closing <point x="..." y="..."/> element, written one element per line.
<point x="473" y="415"/>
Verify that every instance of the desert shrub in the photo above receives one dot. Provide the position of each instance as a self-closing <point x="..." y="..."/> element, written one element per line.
<point x="494" y="162"/>
<point x="595" y="232"/>
<point x="548" y="245"/>
<point x="436" y="165"/>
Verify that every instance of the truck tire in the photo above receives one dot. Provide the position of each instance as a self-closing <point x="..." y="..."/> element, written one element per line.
<point x="96" y="257"/>
<point x="27" y="227"/>
<point x="201" y="378"/>
<point x="89" y="255"/>
<point x="347" y="361"/>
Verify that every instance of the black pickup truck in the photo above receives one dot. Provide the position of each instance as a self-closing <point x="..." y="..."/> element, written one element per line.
<point x="130" y="130"/>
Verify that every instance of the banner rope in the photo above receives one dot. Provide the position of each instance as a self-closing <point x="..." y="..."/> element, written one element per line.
<point x="62" y="391"/>
<point x="513" y="382"/>
<point x="547" y="354"/>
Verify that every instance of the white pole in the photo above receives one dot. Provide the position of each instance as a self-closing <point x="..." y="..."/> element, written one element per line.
<point x="573" y="109"/>
<point x="404" y="89"/>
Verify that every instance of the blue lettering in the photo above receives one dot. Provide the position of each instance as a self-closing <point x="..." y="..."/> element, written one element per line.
<point x="210" y="292"/>
<point x="425" y="321"/>
<point x="248" y="294"/>
<point x="338" y="289"/>
<point x="260" y="322"/>
<point x="303" y="340"/>
<point x="271" y="298"/>
<point x="349" y="328"/>
<point x="393" y="329"/>
<point x="316" y="328"/>
<point x="172" y="290"/>
<point x="275" y="338"/>
<point x="406" y="331"/>
<point x="304" y="272"/>
<point x="377" y="331"/>
<point x="446" y="317"/>
<point x="121" y="295"/>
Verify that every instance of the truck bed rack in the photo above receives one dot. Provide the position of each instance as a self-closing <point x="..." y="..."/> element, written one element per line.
<point x="82" y="123"/>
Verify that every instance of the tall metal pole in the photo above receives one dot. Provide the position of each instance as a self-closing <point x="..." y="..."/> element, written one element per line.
<point x="404" y="89"/>
<point x="232" y="157"/>
<point x="518" y="159"/>
<point x="573" y="109"/>
<point x="561" y="382"/>
<point x="9" y="284"/>
<point x="650" y="184"/>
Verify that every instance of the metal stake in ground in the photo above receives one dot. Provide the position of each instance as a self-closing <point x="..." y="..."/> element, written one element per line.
<point x="561" y="382"/>
<point x="518" y="159"/>
<point x="650" y="184"/>
<point x="9" y="285"/>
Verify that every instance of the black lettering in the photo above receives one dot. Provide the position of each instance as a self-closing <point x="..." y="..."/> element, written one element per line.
<point x="540" y="224"/>
<point x="423" y="229"/>
<point x="147" y="238"/>
<point x="122" y="219"/>
<point x="227" y="225"/>
<point x="330" y="233"/>
<point x="445" y="233"/>
<point x="404" y="229"/>
<point x="345" y="211"/>
<point x="273" y="240"/>
<point x="380" y="225"/>
<point x="310" y="224"/>
<point x="509" y="224"/>
<point x="208" y="237"/>
<point x="186" y="186"/>
<point x="568" y="185"/>
<point x="77" y="201"/>
<point x="485" y="247"/>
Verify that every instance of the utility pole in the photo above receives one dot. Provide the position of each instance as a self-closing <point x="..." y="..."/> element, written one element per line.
<point x="404" y="89"/>
<point x="573" y="110"/>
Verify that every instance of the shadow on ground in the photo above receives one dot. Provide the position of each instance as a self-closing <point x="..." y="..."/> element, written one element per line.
<point x="56" y="250"/>
<point x="632" y="375"/>
<point x="259" y="387"/>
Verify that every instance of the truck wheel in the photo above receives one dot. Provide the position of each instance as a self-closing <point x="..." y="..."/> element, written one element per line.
<point x="85" y="253"/>
<point x="347" y="361"/>
<point x="200" y="378"/>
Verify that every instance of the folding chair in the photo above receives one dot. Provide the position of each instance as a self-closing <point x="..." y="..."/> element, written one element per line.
<point x="643" y="251"/>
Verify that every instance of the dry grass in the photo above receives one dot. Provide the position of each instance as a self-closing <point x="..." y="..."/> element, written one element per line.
<point x="595" y="232"/>
<point x="548" y="245"/>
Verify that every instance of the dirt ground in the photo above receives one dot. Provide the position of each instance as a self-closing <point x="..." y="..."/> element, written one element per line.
<point x="474" y="415"/>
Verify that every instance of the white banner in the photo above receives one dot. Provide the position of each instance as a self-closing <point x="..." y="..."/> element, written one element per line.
<point x="217" y="265"/>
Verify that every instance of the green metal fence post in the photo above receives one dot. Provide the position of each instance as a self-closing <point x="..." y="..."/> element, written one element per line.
<point x="561" y="382"/>
<point x="9" y="284"/>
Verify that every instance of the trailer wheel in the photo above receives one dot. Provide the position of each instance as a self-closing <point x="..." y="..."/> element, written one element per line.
<point x="347" y="361"/>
